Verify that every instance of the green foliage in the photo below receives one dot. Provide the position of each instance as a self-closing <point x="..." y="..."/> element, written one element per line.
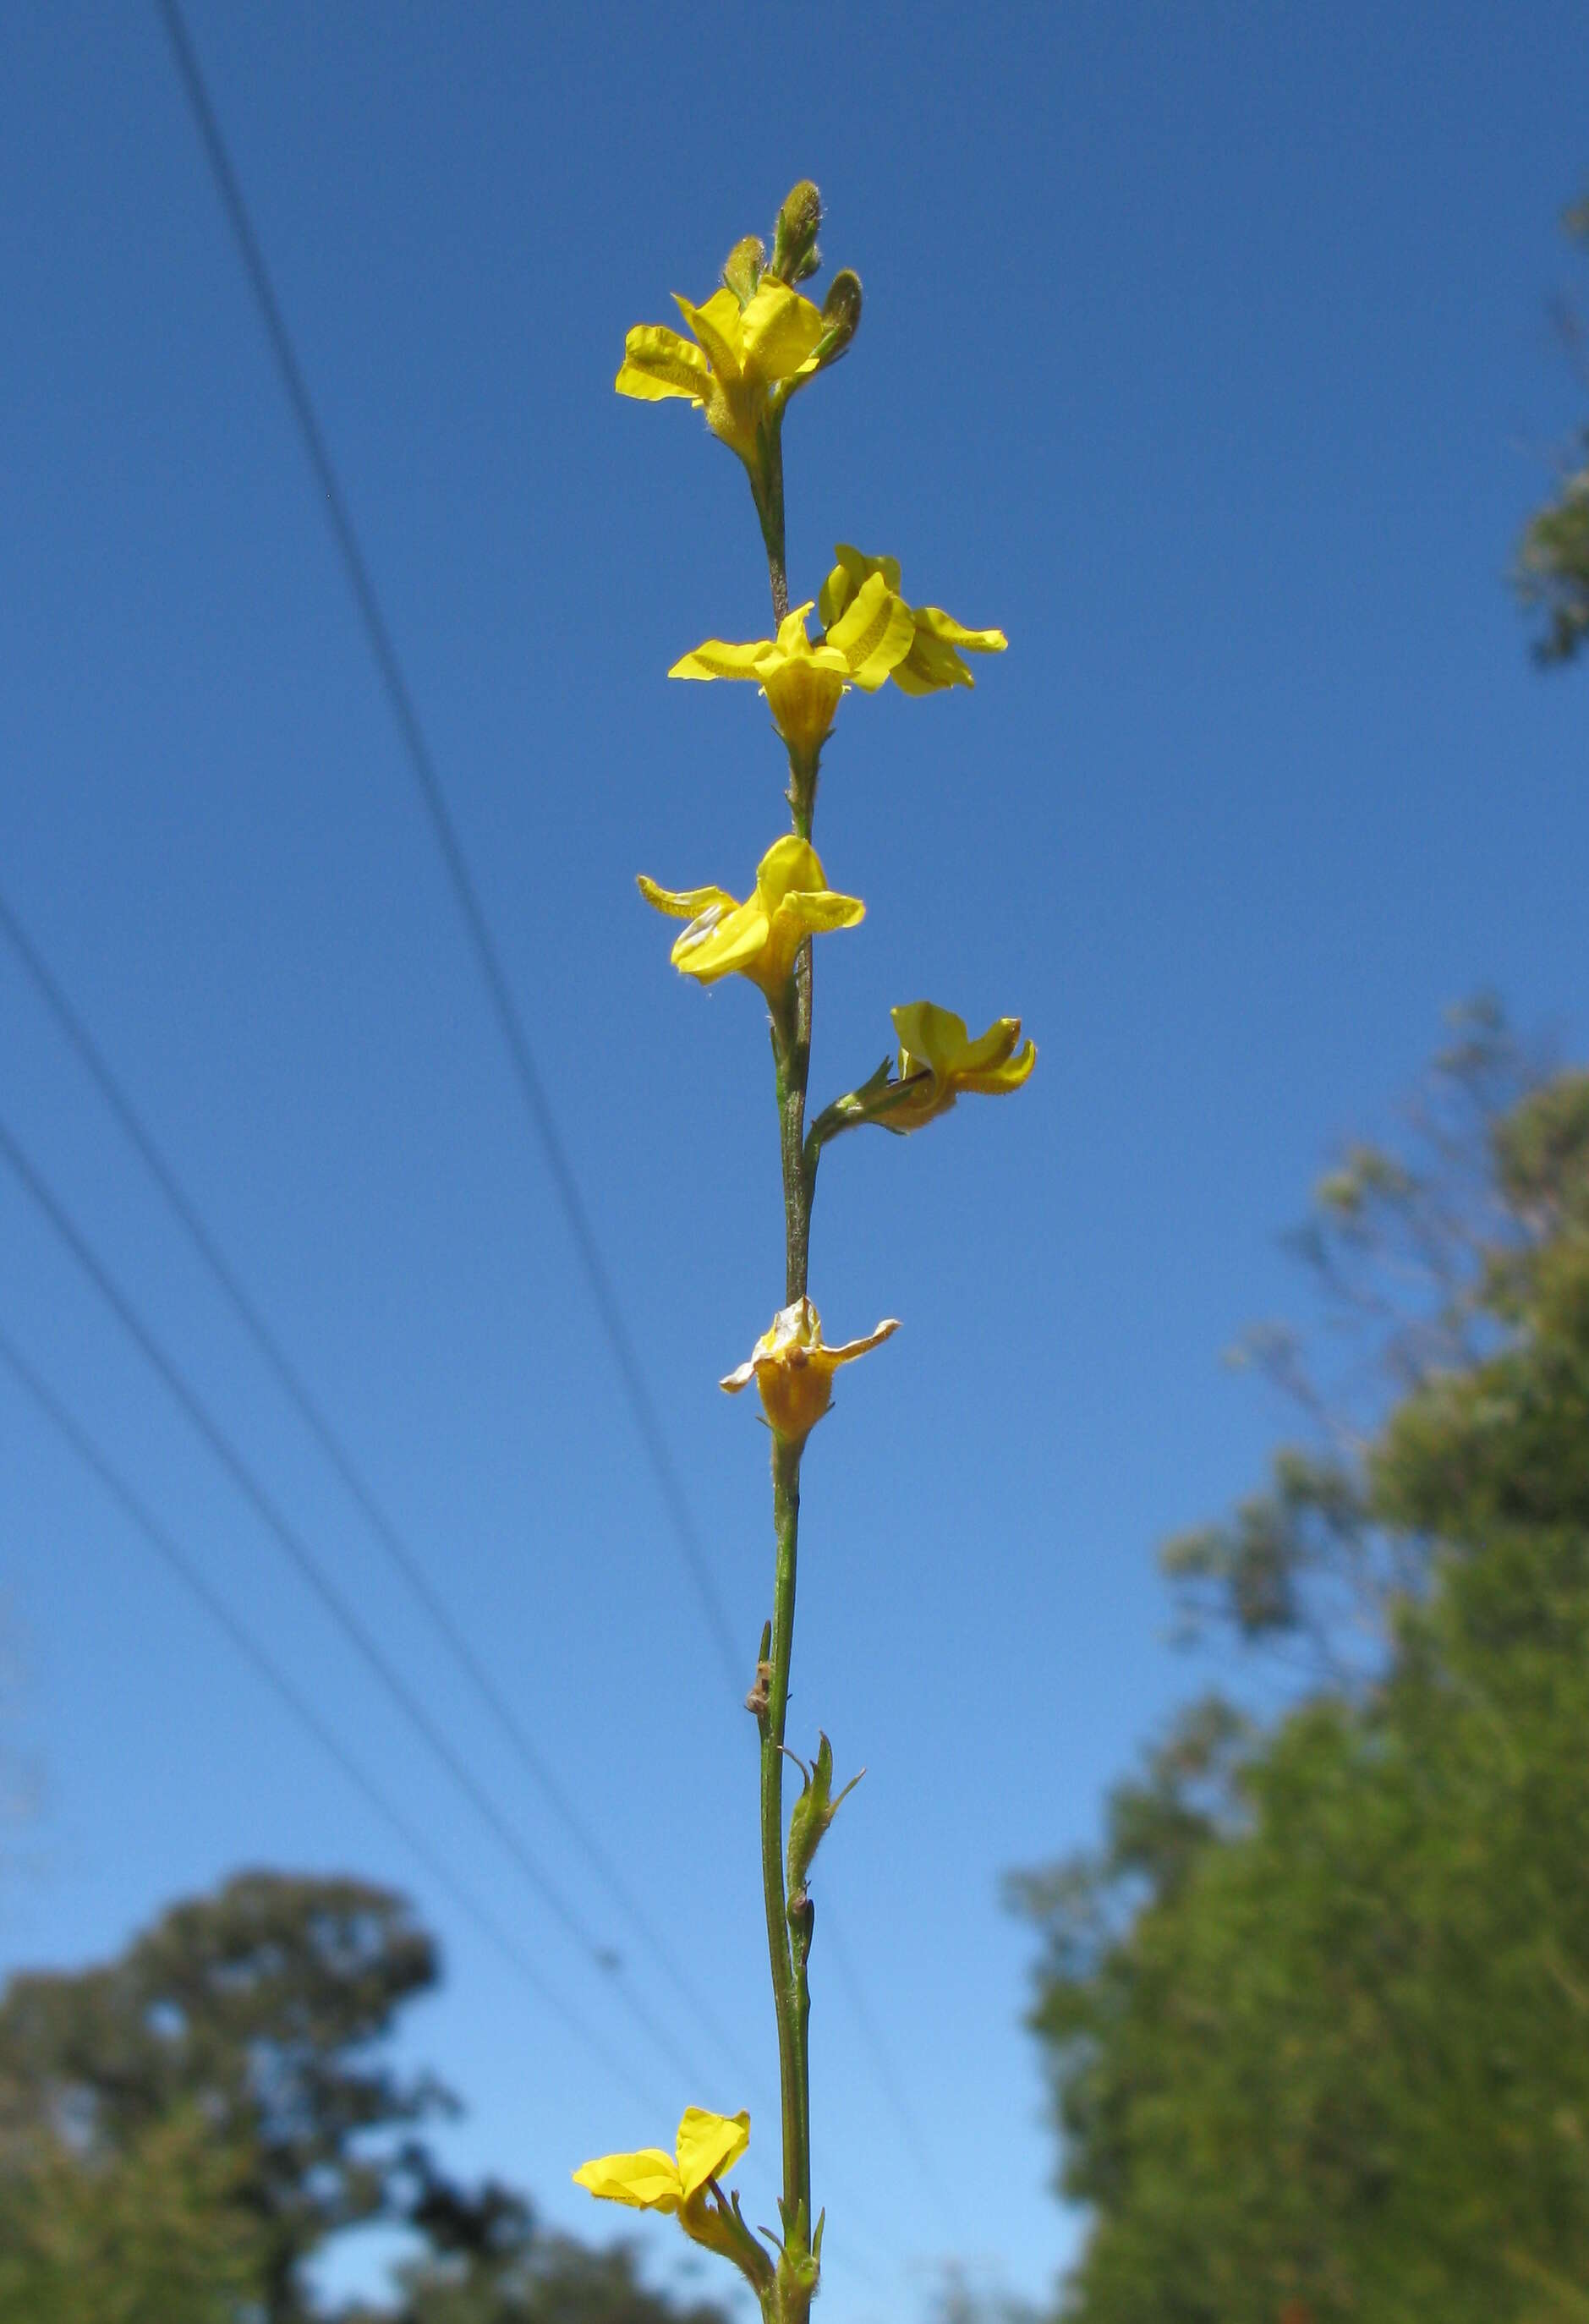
<point x="1418" y="1259"/>
<point x="257" y="2011"/>
<point x="1552" y="572"/>
<point x="158" y="2233"/>
<point x="488" y="2264"/>
<point x="183" y="2128"/>
<point x="1318" y="2017"/>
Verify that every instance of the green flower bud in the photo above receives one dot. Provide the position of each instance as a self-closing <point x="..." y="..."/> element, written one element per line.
<point x="742" y="269"/>
<point x="841" y="315"/>
<point x="812" y="1814"/>
<point x="841" y="310"/>
<point x="795" y="254"/>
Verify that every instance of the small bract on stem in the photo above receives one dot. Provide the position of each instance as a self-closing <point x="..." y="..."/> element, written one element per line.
<point x="752" y="345"/>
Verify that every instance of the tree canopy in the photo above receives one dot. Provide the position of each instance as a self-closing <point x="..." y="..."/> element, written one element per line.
<point x="1553" y="557"/>
<point x="1317" y="2016"/>
<point x="182" y="2129"/>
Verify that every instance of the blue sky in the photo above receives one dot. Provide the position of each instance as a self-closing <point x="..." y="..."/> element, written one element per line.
<point x="1206" y="350"/>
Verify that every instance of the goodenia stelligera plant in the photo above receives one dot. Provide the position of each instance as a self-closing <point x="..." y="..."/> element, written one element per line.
<point x="753" y="344"/>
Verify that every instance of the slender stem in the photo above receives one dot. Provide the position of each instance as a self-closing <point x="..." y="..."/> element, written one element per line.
<point x="786" y="1518"/>
<point x="767" y="492"/>
<point x="791" y="1050"/>
<point x="792" y="1043"/>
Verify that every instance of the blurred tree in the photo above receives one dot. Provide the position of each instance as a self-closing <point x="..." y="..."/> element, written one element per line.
<point x="1317" y="2016"/>
<point x="489" y="2262"/>
<point x="1553" y="557"/>
<point x="257" y="2011"/>
<point x="182" y="2129"/>
<point x="1399" y="1248"/>
<point x="158" y="2231"/>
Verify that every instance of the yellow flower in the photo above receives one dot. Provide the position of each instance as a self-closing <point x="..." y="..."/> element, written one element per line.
<point x="761" y="937"/>
<point x="707" y="2147"/>
<point x="802" y="682"/>
<point x="741" y="355"/>
<point x="938" y="1060"/>
<point x="793" y="1371"/>
<point x="937" y="640"/>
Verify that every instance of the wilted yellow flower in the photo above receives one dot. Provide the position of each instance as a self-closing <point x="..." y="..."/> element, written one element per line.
<point x="793" y="1371"/>
<point x="938" y="1060"/>
<point x="707" y="2147"/>
<point x="740" y="355"/>
<point x="937" y="640"/>
<point x="802" y="682"/>
<point x="759" y="938"/>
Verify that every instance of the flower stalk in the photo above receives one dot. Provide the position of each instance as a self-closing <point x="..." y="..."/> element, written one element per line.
<point x="789" y="1948"/>
<point x="754" y="342"/>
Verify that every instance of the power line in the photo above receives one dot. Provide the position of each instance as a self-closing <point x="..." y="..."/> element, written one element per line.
<point x="332" y="1445"/>
<point x="324" y="1588"/>
<point x="270" y="1672"/>
<point x="882" y="2068"/>
<point x="510" y="1021"/>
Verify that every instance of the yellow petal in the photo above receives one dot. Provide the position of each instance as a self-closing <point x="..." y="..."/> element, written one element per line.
<point x="718" y="659"/>
<point x="740" y="1377"/>
<point x="937" y="1036"/>
<point x="990" y="1048"/>
<point x="647" y="2182"/>
<point x="716" y="325"/>
<point x="997" y="1081"/>
<point x="940" y="624"/>
<point x="791" y="866"/>
<point x="929" y="667"/>
<point x="709" y="2145"/>
<point x="658" y="363"/>
<point x="815" y="914"/>
<point x="791" y="630"/>
<point x="779" y="330"/>
<point x="685" y="903"/>
<point x="874" y="632"/>
<point x="854" y="1348"/>
<point x="711" y="947"/>
<point x="834" y="596"/>
<point x="860" y="567"/>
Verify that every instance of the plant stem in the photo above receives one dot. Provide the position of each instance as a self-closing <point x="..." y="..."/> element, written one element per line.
<point x="792" y="2044"/>
<point x="791" y="1050"/>
<point x="767" y="492"/>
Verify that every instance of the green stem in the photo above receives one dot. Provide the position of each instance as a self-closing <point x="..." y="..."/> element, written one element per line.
<point x="791" y="1050"/>
<point x="767" y="492"/>
<point x="792" y="2046"/>
<point x="786" y="1949"/>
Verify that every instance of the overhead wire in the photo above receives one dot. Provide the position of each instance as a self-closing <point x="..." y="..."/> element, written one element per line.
<point x="270" y="1672"/>
<point x="509" y="1017"/>
<point x="314" y="1575"/>
<point x="331" y="1444"/>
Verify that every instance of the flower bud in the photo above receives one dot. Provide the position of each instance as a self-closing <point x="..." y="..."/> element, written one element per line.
<point x="795" y="254"/>
<point x="841" y="313"/>
<point x="812" y="1814"/>
<point x="742" y="269"/>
